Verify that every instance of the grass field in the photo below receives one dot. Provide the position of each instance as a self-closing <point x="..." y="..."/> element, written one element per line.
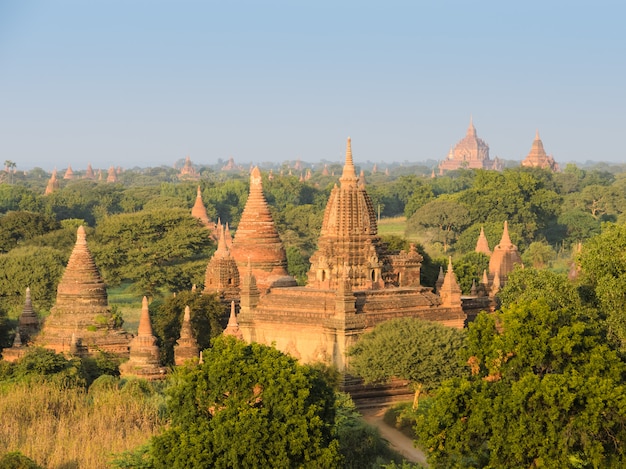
<point x="129" y="304"/>
<point x="392" y="226"/>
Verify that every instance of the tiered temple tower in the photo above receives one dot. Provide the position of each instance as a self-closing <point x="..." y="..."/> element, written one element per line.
<point x="349" y="237"/>
<point x="82" y="308"/>
<point x="537" y="157"/>
<point x="503" y="260"/>
<point x="471" y="152"/>
<point x="144" y="359"/>
<point x="222" y="275"/>
<point x="188" y="172"/>
<point x="186" y="347"/>
<point x="257" y="242"/>
<point x="354" y="284"/>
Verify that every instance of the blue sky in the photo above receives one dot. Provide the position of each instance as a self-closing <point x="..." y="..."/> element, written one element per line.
<point x="145" y="83"/>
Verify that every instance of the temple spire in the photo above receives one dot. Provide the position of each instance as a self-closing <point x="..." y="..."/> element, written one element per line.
<point x="145" y="326"/>
<point x="506" y="240"/>
<point x="482" y="245"/>
<point x="471" y="130"/>
<point x="348" y="177"/>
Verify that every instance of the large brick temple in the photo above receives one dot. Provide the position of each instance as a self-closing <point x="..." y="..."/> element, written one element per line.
<point x="470" y="152"/>
<point x="354" y="282"/>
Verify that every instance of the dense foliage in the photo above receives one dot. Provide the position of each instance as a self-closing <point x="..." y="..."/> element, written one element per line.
<point x="207" y="316"/>
<point x="423" y="352"/>
<point x="248" y="406"/>
<point x="546" y="387"/>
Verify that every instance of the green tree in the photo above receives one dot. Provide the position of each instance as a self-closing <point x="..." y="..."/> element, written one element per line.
<point x="248" y="405"/>
<point x="604" y="271"/>
<point x="16" y="460"/>
<point x="420" y="197"/>
<point x="546" y="388"/>
<point x="158" y="249"/>
<point x="423" y="352"/>
<point x="539" y="254"/>
<point x="469" y="269"/>
<point x="16" y="227"/>
<point x="167" y="318"/>
<point x="447" y="217"/>
<point x="39" y="268"/>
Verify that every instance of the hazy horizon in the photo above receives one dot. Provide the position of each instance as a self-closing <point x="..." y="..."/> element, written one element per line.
<point x="147" y="83"/>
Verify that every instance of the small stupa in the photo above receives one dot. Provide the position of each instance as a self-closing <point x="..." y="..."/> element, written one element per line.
<point x="144" y="360"/>
<point x="69" y="174"/>
<point x="482" y="245"/>
<point x="53" y="183"/>
<point x="232" y="328"/>
<point x="199" y="210"/>
<point x="82" y="308"/>
<point x="112" y="175"/>
<point x="503" y="260"/>
<point x="28" y="321"/>
<point x="89" y="174"/>
<point x="186" y="347"/>
<point x="450" y="292"/>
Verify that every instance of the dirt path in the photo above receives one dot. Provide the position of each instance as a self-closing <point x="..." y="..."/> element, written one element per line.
<point x="397" y="440"/>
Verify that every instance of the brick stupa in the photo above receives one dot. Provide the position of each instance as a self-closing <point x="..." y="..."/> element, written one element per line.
<point x="503" y="260"/>
<point x="450" y="290"/>
<point x="232" y="328"/>
<point x="69" y="173"/>
<point x="112" y="175"/>
<point x="28" y="327"/>
<point x="186" y="348"/>
<point x="199" y="211"/>
<point x="144" y="360"/>
<point x="257" y="242"/>
<point x="89" y="174"/>
<point x="482" y="245"/>
<point x="53" y="183"/>
<point x="82" y="308"/>
<point x="537" y="157"/>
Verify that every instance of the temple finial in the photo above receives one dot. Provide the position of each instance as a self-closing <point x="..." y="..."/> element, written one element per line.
<point x="349" y="174"/>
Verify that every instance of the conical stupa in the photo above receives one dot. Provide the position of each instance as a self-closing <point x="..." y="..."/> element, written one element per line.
<point x="82" y="308"/>
<point x="257" y="240"/>
<point x="53" y="183"/>
<point x="482" y="245"/>
<point x="232" y="328"/>
<point x="186" y="347"/>
<point x="144" y="358"/>
<point x="199" y="210"/>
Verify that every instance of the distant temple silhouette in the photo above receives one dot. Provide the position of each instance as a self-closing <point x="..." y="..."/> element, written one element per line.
<point x="471" y="152"/>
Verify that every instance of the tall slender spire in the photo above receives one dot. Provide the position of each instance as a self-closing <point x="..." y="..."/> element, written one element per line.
<point x="450" y="290"/>
<point x="232" y="328"/>
<point x="348" y="177"/>
<point x="506" y="240"/>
